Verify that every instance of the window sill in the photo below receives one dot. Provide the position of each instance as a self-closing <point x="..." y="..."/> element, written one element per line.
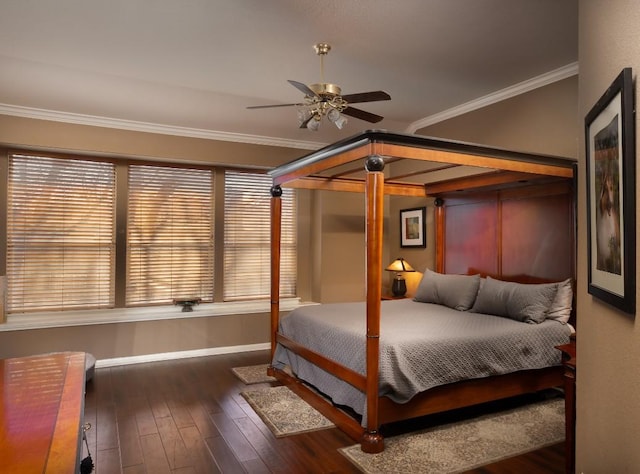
<point x="57" y="319"/>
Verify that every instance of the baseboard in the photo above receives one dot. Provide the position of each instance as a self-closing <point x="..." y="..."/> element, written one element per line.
<point x="180" y="355"/>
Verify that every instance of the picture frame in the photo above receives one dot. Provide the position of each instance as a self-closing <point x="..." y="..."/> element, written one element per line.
<point x="611" y="195"/>
<point x="413" y="227"/>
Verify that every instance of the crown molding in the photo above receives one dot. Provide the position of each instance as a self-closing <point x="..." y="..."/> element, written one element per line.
<point x="96" y="121"/>
<point x="534" y="83"/>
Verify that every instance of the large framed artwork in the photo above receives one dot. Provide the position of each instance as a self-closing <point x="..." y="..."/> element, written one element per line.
<point x="413" y="227"/>
<point x="611" y="214"/>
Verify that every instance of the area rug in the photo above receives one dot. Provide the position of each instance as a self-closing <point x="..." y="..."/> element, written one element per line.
<point x="284" y="412"/>
<point x="253" y="374"/>
<point x="465" y="445"/>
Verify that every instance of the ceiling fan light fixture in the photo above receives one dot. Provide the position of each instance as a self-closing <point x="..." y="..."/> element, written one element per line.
<point x="314" y="123"/>
<point x="337" y="118"/>
<point x="304" y="114"/>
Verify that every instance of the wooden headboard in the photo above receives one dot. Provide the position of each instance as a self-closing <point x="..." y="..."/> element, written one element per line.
<point x="528" y="231"/>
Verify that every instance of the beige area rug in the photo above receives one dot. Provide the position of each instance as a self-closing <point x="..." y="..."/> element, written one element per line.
<point x="253" y="374"/>
<point x="284" y="412"/>
<point x="467" y="444"/>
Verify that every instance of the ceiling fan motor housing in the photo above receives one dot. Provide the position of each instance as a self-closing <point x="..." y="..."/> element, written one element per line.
<point x="325" y="89"/>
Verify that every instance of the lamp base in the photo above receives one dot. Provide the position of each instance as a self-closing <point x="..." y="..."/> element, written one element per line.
<point x="399" y="287"/>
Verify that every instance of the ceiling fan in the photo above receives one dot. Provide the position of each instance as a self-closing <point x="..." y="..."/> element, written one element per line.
<point x="325" y="99"/>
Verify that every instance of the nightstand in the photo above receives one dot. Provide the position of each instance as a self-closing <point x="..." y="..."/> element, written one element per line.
<point x="392" y="297"/>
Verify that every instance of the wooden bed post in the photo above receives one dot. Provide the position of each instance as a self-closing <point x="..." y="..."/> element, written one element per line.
<point x="372" y="441"/>
<point x="440" y="233"/>
<point x="276" y="218"/>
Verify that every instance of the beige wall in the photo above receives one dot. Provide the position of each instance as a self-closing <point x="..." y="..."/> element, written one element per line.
<point x="543" y="120"/>
<point x="608" y="375"/>
<point x="339" y="251"/>
<point x="418" y="258"/>
<point x="65" y="137"/>
<point x="106" y="341"/>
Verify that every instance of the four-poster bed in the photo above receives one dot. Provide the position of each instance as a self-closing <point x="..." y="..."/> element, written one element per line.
<point x="499" y="189"/>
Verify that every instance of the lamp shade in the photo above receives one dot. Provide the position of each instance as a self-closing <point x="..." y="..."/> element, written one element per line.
<point x="400" y="265"/>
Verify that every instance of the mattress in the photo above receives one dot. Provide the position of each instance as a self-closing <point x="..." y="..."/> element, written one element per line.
<point x="422" y="346"/>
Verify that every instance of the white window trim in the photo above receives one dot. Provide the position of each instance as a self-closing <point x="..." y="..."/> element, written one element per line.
<point x="57" y="319"/>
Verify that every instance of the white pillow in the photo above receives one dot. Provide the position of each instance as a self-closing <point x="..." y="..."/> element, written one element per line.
<point x="560" y="308"/>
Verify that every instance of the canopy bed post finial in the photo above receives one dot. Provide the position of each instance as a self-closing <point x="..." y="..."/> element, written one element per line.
<point x="276" y="218"/>
<point x="374" y="163"/>
<point x="276" y="191"/>
<point x="372" y="441"/>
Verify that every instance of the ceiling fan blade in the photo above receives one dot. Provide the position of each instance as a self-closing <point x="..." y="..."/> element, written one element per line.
<point x="362" y="115"/>
<point x="302" y="88"/>
<point x="372" y="96"/>
<point x="270" y="106"/>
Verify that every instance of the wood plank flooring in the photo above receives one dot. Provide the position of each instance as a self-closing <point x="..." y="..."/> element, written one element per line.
<point x="187" y="416"/>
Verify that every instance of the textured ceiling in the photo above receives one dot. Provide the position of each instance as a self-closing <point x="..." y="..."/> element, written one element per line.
<point x="196" y="64"/>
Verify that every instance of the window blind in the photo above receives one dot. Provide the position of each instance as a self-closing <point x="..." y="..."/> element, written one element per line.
<point x="169" y="234"/>
<point x="60" y="234"/>
<point x="247" y="238"/>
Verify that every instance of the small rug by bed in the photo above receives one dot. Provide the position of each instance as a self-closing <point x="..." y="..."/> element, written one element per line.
<point x="466" y="445"/>
<point x="284" y="412"/>
<point x="253" y="374"/>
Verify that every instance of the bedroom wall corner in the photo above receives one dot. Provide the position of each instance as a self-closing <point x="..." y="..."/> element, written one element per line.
<point x="608" y="341"/>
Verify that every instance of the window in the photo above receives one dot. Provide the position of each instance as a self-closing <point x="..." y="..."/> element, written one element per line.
<point x="247" y="238"/>
<point x="170" y="234"/>
<point x="85" y="233"/>
<point x="60" y="233"/>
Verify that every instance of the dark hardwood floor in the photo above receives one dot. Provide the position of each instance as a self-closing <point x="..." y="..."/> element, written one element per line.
<point x="187" y="416"/>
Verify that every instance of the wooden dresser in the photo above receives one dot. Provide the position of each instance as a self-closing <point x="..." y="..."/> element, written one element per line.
<point x="42" y="404"/>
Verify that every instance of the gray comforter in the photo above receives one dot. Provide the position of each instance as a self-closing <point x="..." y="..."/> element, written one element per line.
<point x="422" y="345"/>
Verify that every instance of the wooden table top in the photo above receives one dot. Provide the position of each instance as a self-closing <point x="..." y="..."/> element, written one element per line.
<point x="41" y="409"/>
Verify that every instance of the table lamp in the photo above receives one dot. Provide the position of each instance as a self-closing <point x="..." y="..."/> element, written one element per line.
<point x="399" y="286"/>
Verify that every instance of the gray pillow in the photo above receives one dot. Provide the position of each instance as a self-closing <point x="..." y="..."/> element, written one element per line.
<point x="523" y="302"/>
<point x="560" y="308"/>
<point x="455" y="291"/>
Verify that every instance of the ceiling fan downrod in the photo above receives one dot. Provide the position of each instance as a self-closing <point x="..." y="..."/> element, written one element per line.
<point x="322" y="49"/>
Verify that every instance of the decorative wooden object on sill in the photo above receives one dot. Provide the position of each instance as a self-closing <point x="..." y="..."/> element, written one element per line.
<point x="569" y="363"/>
<point x="187" y="303"/>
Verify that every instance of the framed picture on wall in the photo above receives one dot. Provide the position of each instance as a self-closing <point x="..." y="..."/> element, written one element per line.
<point x="413" y="227"/>
<point x="611" y="195"/>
